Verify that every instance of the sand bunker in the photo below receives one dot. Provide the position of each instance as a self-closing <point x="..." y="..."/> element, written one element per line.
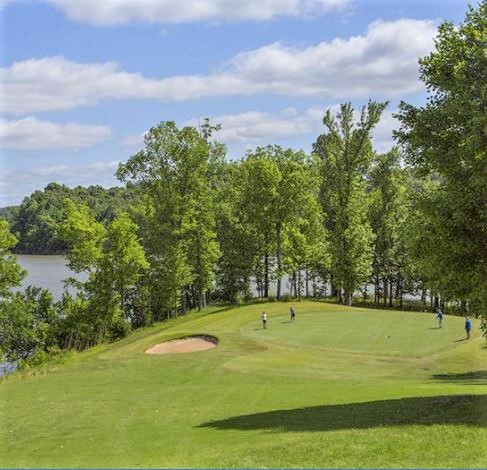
<point x="188" y="344"/>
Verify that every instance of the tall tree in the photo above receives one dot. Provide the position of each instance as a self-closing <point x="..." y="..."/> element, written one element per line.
<point x="447" y="138"/>
<point x="388" y="214"/>
<point x="346" y="153"/>
<point x="173" y="178"/>
<point x="114" y="261"/>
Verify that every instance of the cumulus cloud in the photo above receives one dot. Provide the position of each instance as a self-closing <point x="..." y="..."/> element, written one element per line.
<point x="176" y="11"/>
<point x="382" y="62"/>
<point x="382" y="134"/>
<point x="244" y="130"/>
<point x="256" y="127"/>
<point x="33" y="134"/>
<point x="16" y="184"/>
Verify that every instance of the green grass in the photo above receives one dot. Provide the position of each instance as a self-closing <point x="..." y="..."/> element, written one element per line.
<point x="336" y="388"/>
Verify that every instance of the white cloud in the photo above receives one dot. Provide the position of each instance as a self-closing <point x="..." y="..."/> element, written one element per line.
<point x="113" y="12"/>
<point x="383" y="62"/>
<point x="382" y="134"/>
<point x="134" y="140"/>
<point x="256" y="127"/>
<point x="244" y="130"/>
<point x="16" y="184"/>
<point x="33" y="134"/>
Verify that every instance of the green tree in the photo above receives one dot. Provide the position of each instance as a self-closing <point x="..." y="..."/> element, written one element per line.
<point x="446" y="139"/>
<point x="173" y="175"/>
<point x="388" y="215"/>
<point x="27" y="326"/>
<point x="234" y="267"/>
<point x="11" y="273"/>
<point x="346" y="153"/>
<point x="36" y="221"/>
<point x="123" y="259"/>
<point x="115" y="262"/>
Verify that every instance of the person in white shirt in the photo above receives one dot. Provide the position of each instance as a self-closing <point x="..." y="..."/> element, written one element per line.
<point x="264" y="320"/>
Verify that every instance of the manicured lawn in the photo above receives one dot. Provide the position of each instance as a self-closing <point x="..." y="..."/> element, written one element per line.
<point x="337" y="388"/>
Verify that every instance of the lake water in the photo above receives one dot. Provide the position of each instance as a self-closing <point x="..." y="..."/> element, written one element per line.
<point x="49" y="271"/>
<point x="46" y="271"/>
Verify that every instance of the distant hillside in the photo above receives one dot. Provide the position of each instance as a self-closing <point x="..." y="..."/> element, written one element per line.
<point x="35" y="222"/>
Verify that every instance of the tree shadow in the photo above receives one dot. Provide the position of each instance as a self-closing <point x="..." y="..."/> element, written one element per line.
<point x="454" y="409"/>
<point x="478" y="377"/>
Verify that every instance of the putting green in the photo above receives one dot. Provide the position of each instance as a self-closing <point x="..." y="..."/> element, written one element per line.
<point x="386" y="333"/>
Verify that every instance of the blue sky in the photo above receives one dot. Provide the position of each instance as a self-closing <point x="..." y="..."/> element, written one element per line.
<point x="82" y="80"/>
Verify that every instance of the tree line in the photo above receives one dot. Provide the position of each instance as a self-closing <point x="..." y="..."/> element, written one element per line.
<point x="191" y="226"/>
<point x="35" y="222"/>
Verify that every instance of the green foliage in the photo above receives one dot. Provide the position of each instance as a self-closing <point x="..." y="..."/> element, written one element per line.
<point x="11" y="273"/>
<point x="27" y="326"/>
<point x="277" y="204"/>
<point x="36" y="221"/>
<point x="446" y="141"/>
<point x="346" y="154"/>
<point x="115" y="261"/>
<point x="174" y="175"/>
<point x="83" y="235"/>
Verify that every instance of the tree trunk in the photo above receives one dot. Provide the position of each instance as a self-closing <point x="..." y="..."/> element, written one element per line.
<point x="333" y="288"/>
<point x="391" y="295"/>
<point x="385" y="290"/>
<point x="122" y="301"/>
<point x="266" y="275"/>
<point x="300" y="282"/>
<point x="401" y="294"/>
<point x="184" y="302"/>
<point x="201" y="300"/>
<point x="347" y="296"/>
<point x="278" y="256"/>
<point x="307" y="283"/>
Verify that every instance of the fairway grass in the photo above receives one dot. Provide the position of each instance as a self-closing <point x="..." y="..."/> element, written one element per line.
<point x="338" y="387"/>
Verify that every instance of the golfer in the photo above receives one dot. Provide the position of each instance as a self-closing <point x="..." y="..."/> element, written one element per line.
<point x="264" y="320"/>
<point x="439" y="317"/>
<point x="468" y="326"/>
<point x="292" y="312"/>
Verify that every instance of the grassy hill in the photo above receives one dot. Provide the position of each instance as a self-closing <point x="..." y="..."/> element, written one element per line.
<point x="338" y="387"/>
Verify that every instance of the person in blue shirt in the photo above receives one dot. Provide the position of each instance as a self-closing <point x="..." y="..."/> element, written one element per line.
<point x="468" y="326"/>
<point x="439" y="317"/>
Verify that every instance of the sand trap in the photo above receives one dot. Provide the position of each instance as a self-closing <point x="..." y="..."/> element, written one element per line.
<point x="189" y="344"/>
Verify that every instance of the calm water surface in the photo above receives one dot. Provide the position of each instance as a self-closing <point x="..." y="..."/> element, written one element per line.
<point x="46" y="271"/>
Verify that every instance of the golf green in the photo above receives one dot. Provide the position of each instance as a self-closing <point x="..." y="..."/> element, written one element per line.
<point x="338" y="387"/>
<point x="353" y="330"/>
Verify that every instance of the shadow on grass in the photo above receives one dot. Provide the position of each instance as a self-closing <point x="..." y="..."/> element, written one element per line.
<point x="478" y="377"/>
<point x="454" y="409"/>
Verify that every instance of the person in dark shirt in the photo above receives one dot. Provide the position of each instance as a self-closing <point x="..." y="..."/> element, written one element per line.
<point x="468" y="326"/>
<point x="439" y="317"/>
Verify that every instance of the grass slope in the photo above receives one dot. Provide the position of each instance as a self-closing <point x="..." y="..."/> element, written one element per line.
<point x="337" y="388"/>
